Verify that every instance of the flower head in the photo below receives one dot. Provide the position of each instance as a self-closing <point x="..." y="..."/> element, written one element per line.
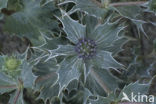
<point x="85" y="48"/>
<point x="12" y="63"/>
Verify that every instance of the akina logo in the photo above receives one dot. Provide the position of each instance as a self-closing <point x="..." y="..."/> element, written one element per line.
<point x="138" y="98"/>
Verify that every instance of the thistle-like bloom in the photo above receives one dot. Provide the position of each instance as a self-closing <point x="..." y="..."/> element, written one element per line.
<point x="16" y="67"/>
<point x="12" y="63"/>
<point x="15" y="75"/>
<point x="85" y="48"/>
<point x="93" y="45"/>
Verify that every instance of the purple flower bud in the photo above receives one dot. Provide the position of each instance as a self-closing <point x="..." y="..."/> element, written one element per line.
<point x="85" y="48"/>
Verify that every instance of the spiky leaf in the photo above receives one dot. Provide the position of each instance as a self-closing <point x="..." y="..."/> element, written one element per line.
<point x="74" y="31"/>
<point x="46" y="81"/>
<point x="17" y="97"/>
<point x="89" y="6"/>
<point x="135" y="88"/>
<point x="105" y="60"/>
<point x="133" y="13"/>
<point x="27" y="76"/>
<point x="3" y="4"/>
<point x="69" y="70"/>
<point x="6" y="84"/>
<point x="33" y="21"/>
<point x="101" y="81"/>
<point x="48" y="86"/>
<point x="101" y="100"/>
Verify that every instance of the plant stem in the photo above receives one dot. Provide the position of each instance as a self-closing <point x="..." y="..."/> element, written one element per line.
<point x="119" y="3"/>
<point x="97" y="3"/>
<point x="44" y="78"/>
<point x="8" y="86"/>
<point x="17" y="96"/>
<point x="127" y="3"/>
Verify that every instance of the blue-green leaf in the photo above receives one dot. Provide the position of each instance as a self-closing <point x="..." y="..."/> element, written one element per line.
<point x="73" y="29"/>
<point x="105" y="60"/>
<point x="67" y="50"/>
<point x="48" y="86"/>
<point x="33" y="21"/>
<point x="105" y="34"/>
<point x="47" y="79"/>
<point x="3" y="4"/>
<point x="17" y="97"/>
<point x="101" y="82"/>
<point x="27" y="76"/>
<point x="101" y="100"/>
<point x="135" y="88"/>
<point x="69" y="70"/>
<point x="133" y="13"/>
<point x="116" y="47"/>
<point x="89" y="6"/>
<point x="6" y="84"/>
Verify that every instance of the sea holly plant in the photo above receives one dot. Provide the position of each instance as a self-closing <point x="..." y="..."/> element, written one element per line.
<point x="88" y="49"/>
<point x="15" y="75"/>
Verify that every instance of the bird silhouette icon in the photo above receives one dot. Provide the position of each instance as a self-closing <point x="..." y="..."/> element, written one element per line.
<point x="125" y="97"/>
